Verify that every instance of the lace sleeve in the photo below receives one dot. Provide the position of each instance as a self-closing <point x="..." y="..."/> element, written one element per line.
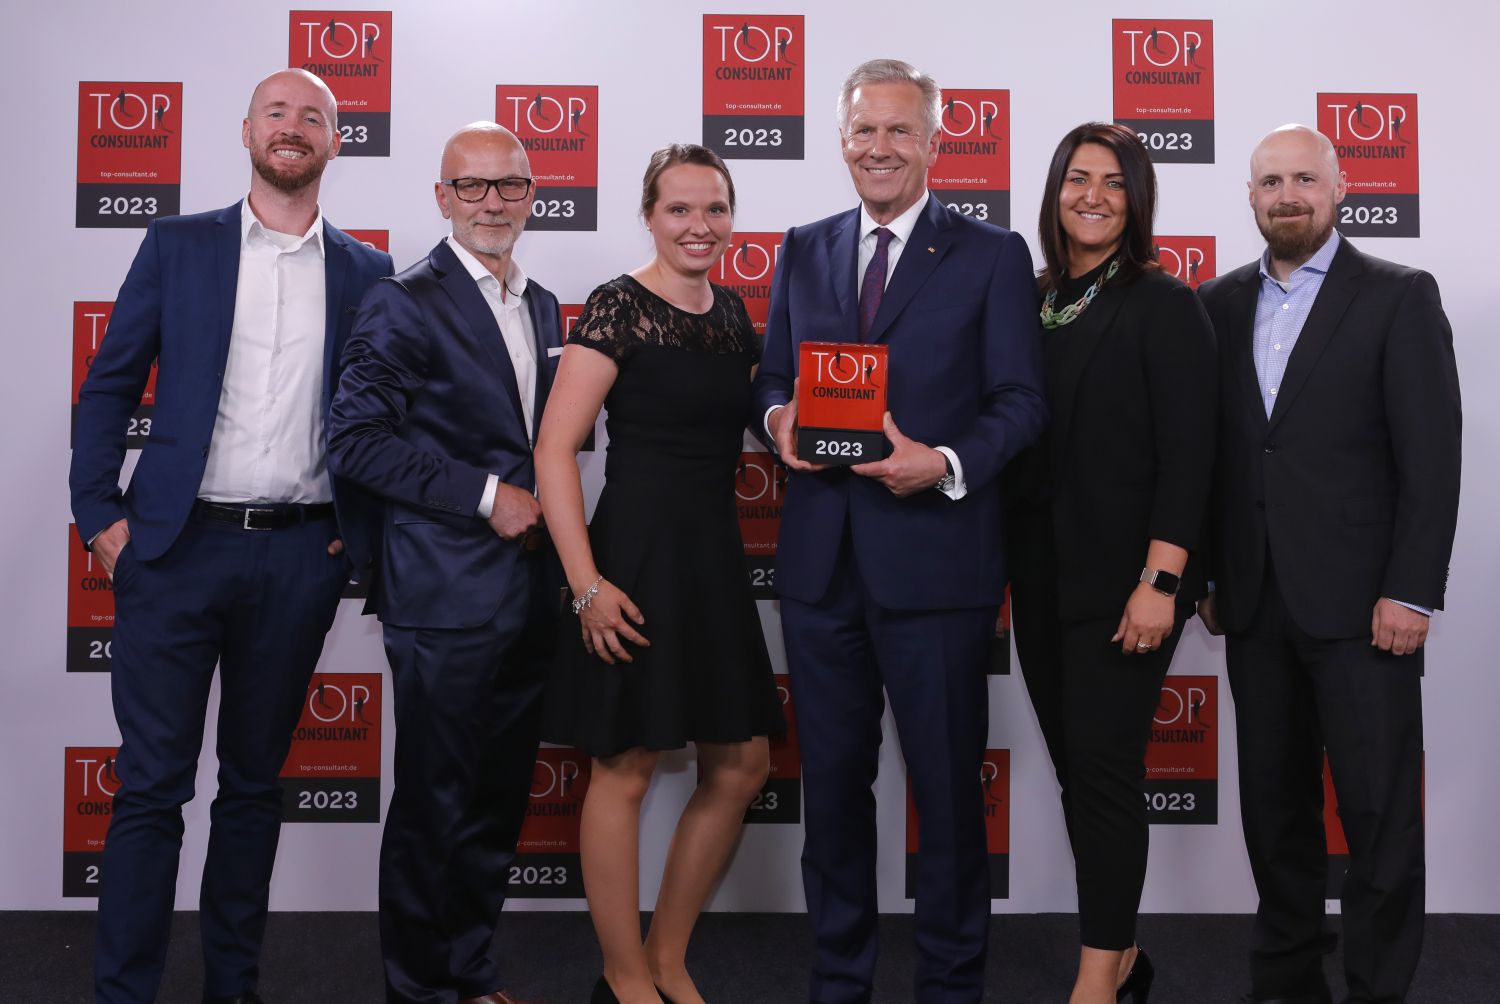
<point x="608" y="322"/>
<point x="745" y="330"/>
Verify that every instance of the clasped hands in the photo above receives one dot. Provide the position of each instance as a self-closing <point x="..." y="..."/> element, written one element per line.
<point x="912" y="467"/>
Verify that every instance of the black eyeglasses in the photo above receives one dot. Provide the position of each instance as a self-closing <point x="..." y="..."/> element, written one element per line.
<point x="477" y="189"/>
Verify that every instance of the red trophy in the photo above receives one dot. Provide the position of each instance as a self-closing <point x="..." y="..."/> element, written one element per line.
<point x="841" y="402"/>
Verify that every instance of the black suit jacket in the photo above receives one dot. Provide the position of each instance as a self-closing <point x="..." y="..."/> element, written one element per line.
<point x="427" y="408"/>
<point x="1352" y="483"/>
<point x="1131" y="447"/>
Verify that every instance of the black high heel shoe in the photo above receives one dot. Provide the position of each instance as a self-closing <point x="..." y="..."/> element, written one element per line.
<point x="1137" y="986"/>
<point x="604" y="995"/>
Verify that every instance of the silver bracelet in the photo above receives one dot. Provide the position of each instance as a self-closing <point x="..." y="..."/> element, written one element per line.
<point x="582" y="603"/>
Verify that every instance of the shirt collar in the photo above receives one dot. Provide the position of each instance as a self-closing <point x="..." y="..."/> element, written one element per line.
<point x="1319" y="262"/>
<point x="515" y="278"/>
<point x="901" y="227"/>
<point x="251" y="224"/>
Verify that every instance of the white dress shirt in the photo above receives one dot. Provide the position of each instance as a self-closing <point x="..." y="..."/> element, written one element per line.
<point x="512" y="316"/>
<point x="267" y="442"/>
<point x="900" y="228"/>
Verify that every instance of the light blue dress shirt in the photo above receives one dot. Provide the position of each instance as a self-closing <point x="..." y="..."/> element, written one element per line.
<point x="1280" y="312"/>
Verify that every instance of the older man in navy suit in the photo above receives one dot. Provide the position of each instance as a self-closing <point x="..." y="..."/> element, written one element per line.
<point x="225" y="548"/>
<point x="890" y="572"/>
<point x="445" y="379"/>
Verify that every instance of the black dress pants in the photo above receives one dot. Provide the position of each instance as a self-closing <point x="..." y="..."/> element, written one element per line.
<point x="1094" y="704"/>
<point x="1294" y="697"/>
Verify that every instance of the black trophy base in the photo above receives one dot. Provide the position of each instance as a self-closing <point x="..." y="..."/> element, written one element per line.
<point x="836" y="447"/>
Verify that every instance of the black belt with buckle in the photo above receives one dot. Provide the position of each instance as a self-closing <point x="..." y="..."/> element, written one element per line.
<point x="269" y="516"/>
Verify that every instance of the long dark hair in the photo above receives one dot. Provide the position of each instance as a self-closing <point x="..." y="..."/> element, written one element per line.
<point x="1136" y="243"/>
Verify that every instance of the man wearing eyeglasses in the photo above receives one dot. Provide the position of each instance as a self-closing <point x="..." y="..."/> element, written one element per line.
<point x="446" y="374"/>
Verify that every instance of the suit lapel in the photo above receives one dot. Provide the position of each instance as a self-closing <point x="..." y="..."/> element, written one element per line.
<point x="1334" y="296"/>
<point x="478" y="318"/>
<point x="335" y="266"/>
<point x="843" y="269"/>
<point x="1075" y="360"/>
<point x="227" y="277"/>
<point x="1242" y="301"/>
<point x="925" y="248"/>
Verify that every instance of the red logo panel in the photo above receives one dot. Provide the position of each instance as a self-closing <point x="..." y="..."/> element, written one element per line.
<point x="972" y="172"/>
<point x="759" y="488"/>
<point x="559" y="126"/>
<point x="90" y="324"/>
<point x="1191" y="259"/>
<point x="1182" y="758"/>
<point x="1375" y="137"/>
<point x="91" y="610"/>
<point x="332" y="771"/>
<point x="350" y="51"/>
<point x="754" y="81"/>
<point x="129" y="153"/>
<point x="746" y="267"/>
<point x="546" y="865"/>
<point x="89" y="786"/>
<point x="377" y="240"/>
<point x="994" y="780"/>
<point x="1164" y="87"/>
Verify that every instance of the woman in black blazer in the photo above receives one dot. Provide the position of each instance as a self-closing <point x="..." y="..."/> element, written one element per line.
<point x="1103" y="516"/>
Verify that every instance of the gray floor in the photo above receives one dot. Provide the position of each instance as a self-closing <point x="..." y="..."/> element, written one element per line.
<point x="330" y="958"/>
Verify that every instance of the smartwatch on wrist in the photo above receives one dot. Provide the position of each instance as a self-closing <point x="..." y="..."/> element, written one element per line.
<point x="1163" y="582"/>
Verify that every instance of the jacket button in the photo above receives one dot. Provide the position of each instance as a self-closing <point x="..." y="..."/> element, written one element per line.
<point x="1270" y="447"/>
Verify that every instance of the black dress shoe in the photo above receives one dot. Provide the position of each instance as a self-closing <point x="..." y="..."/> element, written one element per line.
<point x="603" y="994"/>
<point x="251" y="998"/>
<point x="1137" y="985"/>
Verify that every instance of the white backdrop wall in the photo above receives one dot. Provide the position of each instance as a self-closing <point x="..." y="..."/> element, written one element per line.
<point x="646" y="59"/>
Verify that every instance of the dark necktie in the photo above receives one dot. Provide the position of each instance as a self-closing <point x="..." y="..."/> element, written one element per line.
<point x="873" y="287"/>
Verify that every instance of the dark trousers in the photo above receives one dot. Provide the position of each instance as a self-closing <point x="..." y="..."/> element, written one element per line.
<point x="257" y="602"/>
<point x="1294" y="696"/>
<point x="1094" y="704"/>
<point x="841" y="652"/>
<point x="467" y="725"/>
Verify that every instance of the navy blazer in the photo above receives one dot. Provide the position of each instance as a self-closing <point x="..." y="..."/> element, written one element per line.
<point x="427" y="408"/>
<point x="960" y="317"/>
<point x="177" y="304"/>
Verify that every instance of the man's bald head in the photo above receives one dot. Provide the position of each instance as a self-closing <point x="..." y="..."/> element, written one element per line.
<point x="476" y="140"/>
<point x="311" y="86"/>
<point x="291" y="130"/>
<point x="489" y="226"/>
<point x="1295" y="138"/>
<point x="1295" y="185"/>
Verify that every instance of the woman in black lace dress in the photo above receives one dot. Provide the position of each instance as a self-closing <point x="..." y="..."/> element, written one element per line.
<point x="668" y="648"/>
